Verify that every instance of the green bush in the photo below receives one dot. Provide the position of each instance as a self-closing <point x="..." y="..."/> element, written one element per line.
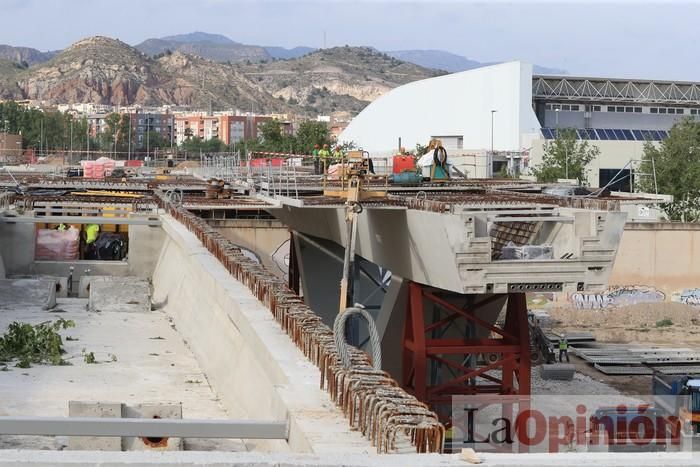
<point x="664" y="323"/>
<point x="40" y="343"/>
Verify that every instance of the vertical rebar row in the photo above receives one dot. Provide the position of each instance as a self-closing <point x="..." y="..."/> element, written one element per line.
<point x="370" y="399"/>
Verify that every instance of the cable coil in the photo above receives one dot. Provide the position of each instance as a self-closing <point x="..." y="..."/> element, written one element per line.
<point x="342" y="345"/>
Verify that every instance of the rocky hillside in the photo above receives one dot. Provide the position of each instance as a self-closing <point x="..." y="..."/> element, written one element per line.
<point x="107" y="71"/>
<point x="341" y="78"/>
<point x="24" y="54"/>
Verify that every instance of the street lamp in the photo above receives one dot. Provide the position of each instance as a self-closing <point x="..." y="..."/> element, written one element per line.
<point x="566" y="148"/>
<point x="490" y="162"/>
<point x="492" y="112"/>
<point x="4" y="139"/>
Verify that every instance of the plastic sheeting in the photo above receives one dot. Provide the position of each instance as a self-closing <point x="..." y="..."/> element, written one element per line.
<point x="56" y="245"/>
<point x="513" y="251"/>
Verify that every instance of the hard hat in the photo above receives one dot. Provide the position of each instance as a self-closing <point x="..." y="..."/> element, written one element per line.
<point x="315" y="146"/>
<point x="325" y="146"/>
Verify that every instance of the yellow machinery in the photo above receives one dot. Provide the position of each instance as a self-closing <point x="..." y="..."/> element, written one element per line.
<point x="350" y="182"/>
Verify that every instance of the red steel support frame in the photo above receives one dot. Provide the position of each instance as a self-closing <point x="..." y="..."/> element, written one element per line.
<point x="510" y="343"/>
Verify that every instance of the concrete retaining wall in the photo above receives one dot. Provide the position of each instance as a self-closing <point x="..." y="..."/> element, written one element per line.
<point x="264" y="237"/>
<point x="253" y="366"/>
<point x="661" y="255"/>
<point x="656" y="262"/>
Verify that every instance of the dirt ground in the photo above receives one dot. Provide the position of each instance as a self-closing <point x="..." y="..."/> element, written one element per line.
<point x="650" y="324"/>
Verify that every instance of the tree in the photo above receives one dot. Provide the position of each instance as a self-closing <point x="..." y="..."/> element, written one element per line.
<point x="153" y="140"/>
<point x="195" y="144"/>
<point x="117" y="131"/>
<point x="565" y="157"/>
<point x="310" y="133"/>
<point x="676" y="161"/>
<point x="271" y="132"/>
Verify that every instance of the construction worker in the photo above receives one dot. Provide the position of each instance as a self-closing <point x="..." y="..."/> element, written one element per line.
<point x="563" y="349"/>
<point x="337" y="155"/>
<point x="317" y="163"/>
<point x="440" y="170"/>
<point x="324" y="155"/>
<point x="91" y="232"/>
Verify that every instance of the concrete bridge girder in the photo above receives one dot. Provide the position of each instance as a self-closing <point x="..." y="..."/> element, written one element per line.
<point x="453" y="251"/>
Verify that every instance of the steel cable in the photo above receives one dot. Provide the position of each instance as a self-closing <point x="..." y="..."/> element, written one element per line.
<point x="342" y="345"/>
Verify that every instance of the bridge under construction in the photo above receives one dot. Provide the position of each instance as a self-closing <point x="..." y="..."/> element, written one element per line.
<point x="441" y="268"/>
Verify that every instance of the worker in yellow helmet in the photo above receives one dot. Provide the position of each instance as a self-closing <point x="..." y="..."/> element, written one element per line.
<point x="91" y="232"/>
<point x="324" y="154"/>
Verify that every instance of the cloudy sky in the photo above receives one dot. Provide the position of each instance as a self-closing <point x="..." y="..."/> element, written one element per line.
<point x="623" y="39"/>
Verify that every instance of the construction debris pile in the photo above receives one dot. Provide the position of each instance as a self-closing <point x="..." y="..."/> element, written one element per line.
<point x="370" y="399"/>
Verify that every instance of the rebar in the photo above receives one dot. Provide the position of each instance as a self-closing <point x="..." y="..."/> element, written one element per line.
<point x="370" y="399"/>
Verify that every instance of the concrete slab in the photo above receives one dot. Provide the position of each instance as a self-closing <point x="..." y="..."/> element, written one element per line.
<point x="255" y="459"/>
<point x="27" y="292"/>
<point x="95" y="409"/>
<point x="140" y="359"/>
<point x="122" y="294"/>
<point x="558" y="371"/>
<point x="152" y="411"/>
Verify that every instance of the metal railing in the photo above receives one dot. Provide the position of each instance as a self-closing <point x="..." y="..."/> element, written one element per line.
<point x="144" y="427"/>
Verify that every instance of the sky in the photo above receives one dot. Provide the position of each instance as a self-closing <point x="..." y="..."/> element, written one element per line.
<point x="626" y="39"/>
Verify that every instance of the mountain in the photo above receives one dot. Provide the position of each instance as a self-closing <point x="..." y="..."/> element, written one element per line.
<point x="211" y="46"/>
<point x="340" y="78"/>
<point x="436" y="59"/>
<point x="441" y="60"/>
<point x="9" y="72"/>
<point x="102" y="70"/>
<point x="286" y="54"/>
<point x="96" y="69"/>
<point x="229" y="52"/>
<point x="199" y="36"/>
<point x="24" y="54"/>
<point x="220" y="48"/>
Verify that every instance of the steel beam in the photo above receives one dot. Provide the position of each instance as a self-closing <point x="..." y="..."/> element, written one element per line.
<point x="143" y="427"/>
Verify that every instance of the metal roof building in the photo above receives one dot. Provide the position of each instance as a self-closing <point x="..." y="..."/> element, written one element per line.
<point x="506" y="109"/>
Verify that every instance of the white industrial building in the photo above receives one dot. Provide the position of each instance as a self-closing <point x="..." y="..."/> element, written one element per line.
<point x="503" y="114"/>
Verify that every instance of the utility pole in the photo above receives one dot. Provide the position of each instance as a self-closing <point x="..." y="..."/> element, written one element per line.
<point x="41" y="135"/>
<point x="71" y="140"/>
<point x="129" y="150"/>
<point x="148" y="134"/>
<point x="490" y="159"/>
<point x="4" y="139"/>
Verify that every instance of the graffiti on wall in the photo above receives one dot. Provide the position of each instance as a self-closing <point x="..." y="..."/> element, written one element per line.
<point x="617" y="296"/>
<point x="687" y="297"/>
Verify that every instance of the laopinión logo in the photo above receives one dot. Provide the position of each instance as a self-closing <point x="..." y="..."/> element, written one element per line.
<point x="580" y="423"/>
